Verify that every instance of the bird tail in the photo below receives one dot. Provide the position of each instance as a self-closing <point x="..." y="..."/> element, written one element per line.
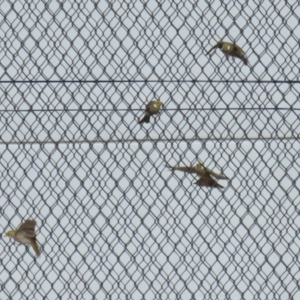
<point x="35" y="247"/>
<point x="146" y="119"/>
<point x="214" y="47"/>
<point x="219" y="186"/>
<point x="245" y="59"/>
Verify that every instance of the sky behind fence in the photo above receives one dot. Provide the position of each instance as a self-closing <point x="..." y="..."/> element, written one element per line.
<point x="113" y="221"/>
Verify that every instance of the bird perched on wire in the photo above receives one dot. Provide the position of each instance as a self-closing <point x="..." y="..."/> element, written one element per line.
<point x="25" y="234"/>
<point x="231" y="49"/>
<point x="152" y="108"/>
<point x="204" y="173"/>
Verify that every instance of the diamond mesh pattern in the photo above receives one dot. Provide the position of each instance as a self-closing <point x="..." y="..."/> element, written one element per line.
<point x="113" y="221"/>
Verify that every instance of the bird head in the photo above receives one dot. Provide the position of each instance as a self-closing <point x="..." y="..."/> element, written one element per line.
<point x="218" y="45"/>
<point x="199" y="166"/>
<point x="10" y="233"/>
<point x="158" y="103"/>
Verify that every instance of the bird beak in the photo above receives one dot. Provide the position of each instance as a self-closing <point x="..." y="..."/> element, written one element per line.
<point x="214" y="47"/>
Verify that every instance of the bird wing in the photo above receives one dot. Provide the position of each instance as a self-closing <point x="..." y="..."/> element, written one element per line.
<point x="28" y="227"/>
<point x="148" y="107"/>
<point x="240" y="50"/>
<point x="191" y="170"/>
<point x="242" y="54"/>
<point x="216" y="175"/>
<point x="232" y="48"/>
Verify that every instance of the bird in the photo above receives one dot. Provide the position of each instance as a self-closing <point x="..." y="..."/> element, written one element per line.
<point x="204" y="173"/>
<point x="207" y="180"/>
<point x="25" y="234"/>
<point x="231" y="49"/>
<point x="152" y="108"/>
<point x="199" y="169"/>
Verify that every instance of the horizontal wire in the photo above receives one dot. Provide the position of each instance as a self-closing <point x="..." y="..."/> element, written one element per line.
<point x="243" y="139"/>
<point x="142" y="109"/>
<point x="152" y="81"/>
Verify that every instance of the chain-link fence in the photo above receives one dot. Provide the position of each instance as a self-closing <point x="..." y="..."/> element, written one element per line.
<point x="112" y="221"/>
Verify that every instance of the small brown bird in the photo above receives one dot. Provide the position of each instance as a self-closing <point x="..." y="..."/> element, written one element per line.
<point x="204" y="173"/>
<point x="199" y="169"/>
<point x="25" y="234"/>
<point x="231" y="49"/>
<point x="152" y="108"/>
<point x="207" y="180"/>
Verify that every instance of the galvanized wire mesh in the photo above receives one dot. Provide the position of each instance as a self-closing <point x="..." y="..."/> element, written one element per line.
<point x="113" y="222"/>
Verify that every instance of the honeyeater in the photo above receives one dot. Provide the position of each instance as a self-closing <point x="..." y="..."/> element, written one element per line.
<point x="231" y="49"/>
<point x="25" y="234"/>
<point x="204" y="173"/>
<point x="152" y="108"/>
<point x="199" y="169"/>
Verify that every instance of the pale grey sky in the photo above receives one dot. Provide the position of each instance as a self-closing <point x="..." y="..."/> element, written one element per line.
<point x="112" y="220"/>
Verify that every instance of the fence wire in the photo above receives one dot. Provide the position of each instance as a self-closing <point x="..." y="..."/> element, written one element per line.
<point x="113" y="222"/>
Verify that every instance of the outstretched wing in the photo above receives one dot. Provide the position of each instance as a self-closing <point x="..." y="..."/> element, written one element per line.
<point x="191" y="170"/>
<point x="28" y="227"/>
<point x="216" y="175"/>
